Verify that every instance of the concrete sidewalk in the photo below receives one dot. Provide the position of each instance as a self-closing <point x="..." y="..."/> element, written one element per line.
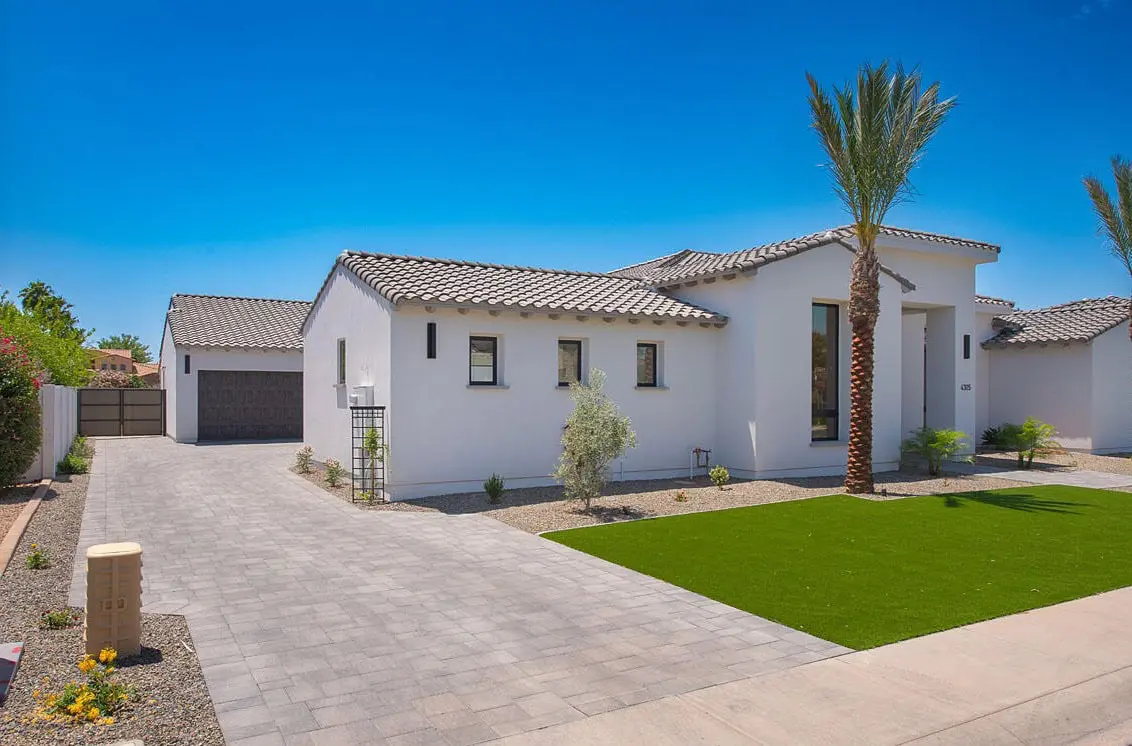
<point x="1100" y="480"/>
<point x="1058" y="675"/>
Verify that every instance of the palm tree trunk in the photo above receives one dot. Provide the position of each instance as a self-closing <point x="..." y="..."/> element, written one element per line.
<point x="864" y="309"/>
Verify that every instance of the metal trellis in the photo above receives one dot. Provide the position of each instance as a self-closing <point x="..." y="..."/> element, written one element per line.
<point x="368" y="451"/>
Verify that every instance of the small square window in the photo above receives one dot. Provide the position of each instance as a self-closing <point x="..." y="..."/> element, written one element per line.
<point x="104" y="366"/>
<point x="341" y="362"/>
<point x="569" y="361"/>
<point x="483" y="361"/>
<point x="646" y="364"/>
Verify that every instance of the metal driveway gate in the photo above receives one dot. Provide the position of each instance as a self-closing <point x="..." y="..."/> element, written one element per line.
<point x="121" y="411"/>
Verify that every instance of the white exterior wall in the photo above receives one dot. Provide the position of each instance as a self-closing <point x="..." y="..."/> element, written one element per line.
<point x="984" y="330"/>
<point x="1053" y="383"/>
<point x="446" y="436"/>
<point x="764" y="394"/>
<point x="168" y="364"/>
<point x="352" y="310"/>
<point x="183" y="403"/>
<point x="59" y="410"/>
<point x="1112" y="391"/>
<point x="912" y="372"/>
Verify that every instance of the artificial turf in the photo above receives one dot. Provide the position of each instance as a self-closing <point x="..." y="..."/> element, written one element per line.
<point x="864" y="573"/>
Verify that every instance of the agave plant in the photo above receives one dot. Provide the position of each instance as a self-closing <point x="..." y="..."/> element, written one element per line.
<point x="874" y="132"/>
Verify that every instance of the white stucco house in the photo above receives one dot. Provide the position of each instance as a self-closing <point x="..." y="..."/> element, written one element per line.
<point x="232" y="368"/>
<point x="745" y="353"/>
<point x="1069" y="365"/>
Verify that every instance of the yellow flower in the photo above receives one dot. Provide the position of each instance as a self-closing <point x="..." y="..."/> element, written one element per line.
<point x="108" y="721"/>
<point x="74" y="708"/>
<point x="93" y="714"/>
<point x="87" y="664"/>
<point x="108" y="655"/>
<point x="35" y="693"/>
<point x="34" y="546"/>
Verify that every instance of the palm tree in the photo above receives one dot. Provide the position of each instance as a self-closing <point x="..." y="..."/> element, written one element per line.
<point x="1115" y="218"/>
<point x="874" y="133"/>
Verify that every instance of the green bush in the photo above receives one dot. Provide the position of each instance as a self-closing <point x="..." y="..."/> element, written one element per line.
<point x="494" y="488"/>
<point x="20" y="417"/>
<point x="719" y="475"/>
<point x="82" y="447"/>
<point x="334" y="472"/>
<point x="1034" y="438"/>
<point x="935" y="446"/>
<point x="72" y="464"/>
<point x="303" y="458"/>
<point x="63" y="360"/>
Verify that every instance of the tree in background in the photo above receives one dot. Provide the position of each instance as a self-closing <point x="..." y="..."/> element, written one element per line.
<point x="873" y="133"/>
<point x="1115" y="217"/>
<point x="20" y="419"/>
<point x="52" y="311"/>
<point x="62" y="358"/>
<point x="596" y="433"/>
<point x="126" y="342"/>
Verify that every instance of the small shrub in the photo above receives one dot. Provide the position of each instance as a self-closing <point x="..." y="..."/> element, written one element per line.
<point x="72" y="464"/>
<point x="94" y="700"/>
<point x="681" y="497"/>
<point x="303" y="459"/>
<point x="60" y="619"/>
<point x="333" y="472"/>
<point x="719" y="475"/>
<point x="494" y="489"/>
<point x="116" y="379"/>
<point x="82" y="447"/>
<point x="1034" y="438"/>
<point x="992" y="437"/>
<point x="935" y="446"/>
<point x="37" y="559"/>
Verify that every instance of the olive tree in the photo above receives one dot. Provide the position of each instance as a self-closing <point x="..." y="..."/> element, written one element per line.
<point x="596" y="433"/>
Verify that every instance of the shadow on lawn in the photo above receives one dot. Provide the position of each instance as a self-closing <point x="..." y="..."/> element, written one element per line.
<point x="1024" y="502"/>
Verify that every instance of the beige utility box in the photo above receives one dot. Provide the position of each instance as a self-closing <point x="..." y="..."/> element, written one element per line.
<point x="113" y="598"/>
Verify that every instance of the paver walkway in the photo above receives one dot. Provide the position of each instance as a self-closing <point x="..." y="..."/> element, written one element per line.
<point x="317" y="623"/>
<point x="1099" y="480"/>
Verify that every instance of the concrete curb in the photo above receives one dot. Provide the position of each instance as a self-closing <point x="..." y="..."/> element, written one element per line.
<point x="16" y="532"/>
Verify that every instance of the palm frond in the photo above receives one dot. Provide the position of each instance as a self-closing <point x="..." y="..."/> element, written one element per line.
<point x="1115" y="216"/>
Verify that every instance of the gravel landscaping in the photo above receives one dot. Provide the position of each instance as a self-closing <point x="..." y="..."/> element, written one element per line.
<point x="538" y="509"/>
<point x="12" y="502"/>
<point x="317" y="477"/>
<point x="172" y="706"/>
<point x="1117" y="463"/>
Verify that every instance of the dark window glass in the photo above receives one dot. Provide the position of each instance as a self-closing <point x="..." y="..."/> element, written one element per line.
<point x="569" y="361"/>
<point x="646" y="364"/>
<point x="188" y="367"/>
<point x="482" y="362"/>
<point x="430" y="340"/>
<point x="823" y="400"/>
<point x="966" y="346"/>
<point x="342" y="361"/>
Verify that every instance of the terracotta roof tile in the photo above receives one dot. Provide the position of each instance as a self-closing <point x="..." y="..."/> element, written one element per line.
<point x="445" y="282"/>
<point x="1079" y="321"/>
<point x="221" y="321"/>
<point x="991" y="300"/>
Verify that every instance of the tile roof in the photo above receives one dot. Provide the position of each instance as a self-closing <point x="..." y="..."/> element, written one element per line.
<point x="145" y="369"/>
<point x="104" y="351"/>
<point x="221" y="321"/>
<point x="445" y="282"/>
<point x="991" y="300"/>
<point x="687" y="265"/>
<point x="1079" y="321"/>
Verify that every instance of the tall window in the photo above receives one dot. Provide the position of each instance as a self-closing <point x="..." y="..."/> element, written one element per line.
<point x="341" y="362"/>
<point x="483" y="361"/>
<point x="646" y="364"/>
<point x="569" y="361"/>
<point x="823" y="398"/>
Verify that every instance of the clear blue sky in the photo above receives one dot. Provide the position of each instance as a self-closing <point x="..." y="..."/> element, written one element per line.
<point x="148" y="148"/>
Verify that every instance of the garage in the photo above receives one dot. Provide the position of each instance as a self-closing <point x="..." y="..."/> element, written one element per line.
<point x="249" y="405"/>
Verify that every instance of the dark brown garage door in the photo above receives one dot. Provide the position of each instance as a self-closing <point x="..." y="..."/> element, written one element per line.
<point x="249" y="405"/>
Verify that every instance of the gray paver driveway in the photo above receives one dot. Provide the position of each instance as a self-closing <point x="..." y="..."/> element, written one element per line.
<point x="318" y="623"/>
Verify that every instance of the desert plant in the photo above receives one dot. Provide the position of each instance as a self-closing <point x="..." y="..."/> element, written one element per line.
<point x="494" y="489"/>
<point x="94" y="700"/>
<point x="333" y="472"/>
<point x="719" y="475"/>
<point x="595" y="434"/>
<point x="72" y="464"/>
<point x="1115" y="216"/>
<point x="874" y="134"/>
<point x="37" y="558"/>
<point x="20" y="417"/>
<point x="82" y="447"/>
<point x="935" y="446"/>
<point x="1034" y="438"/>
<point x="60" y="619"/>
<point x="681" y="496"/>
<point x="377" y="449"/>
<point x="303" y="458"/>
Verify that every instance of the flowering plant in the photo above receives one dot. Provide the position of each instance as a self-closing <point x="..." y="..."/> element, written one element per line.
<point x="37" y="559"/>
<point x="20" y="419"/>
<point x="94" y="700"/>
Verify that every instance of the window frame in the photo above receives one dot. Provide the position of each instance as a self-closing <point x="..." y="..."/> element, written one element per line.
<point x="577" y="344"/>
<point x="655" y="383"/>
<point x="340" y="356"/>
<point x="833" y="350"/>
<point x="473" y="338"/>
<point x="188" y="364"/>
<point x="430" y="340"/>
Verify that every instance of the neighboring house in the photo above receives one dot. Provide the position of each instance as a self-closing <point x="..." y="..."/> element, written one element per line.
<point x="1069" y="365"/>
<point x="149" y="373"/>
<point x="745" y="353"/>
<point x="122" y="360"/>
<point x="232" y="368"/>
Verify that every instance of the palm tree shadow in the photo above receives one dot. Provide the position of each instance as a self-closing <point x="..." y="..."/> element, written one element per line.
<point x="1024" y="502"/>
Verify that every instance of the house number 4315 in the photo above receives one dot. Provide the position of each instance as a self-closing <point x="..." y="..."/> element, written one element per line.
<point x="964" y="387"/>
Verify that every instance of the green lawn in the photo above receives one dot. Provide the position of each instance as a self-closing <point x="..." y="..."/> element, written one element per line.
<point x="865" y="573"/>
